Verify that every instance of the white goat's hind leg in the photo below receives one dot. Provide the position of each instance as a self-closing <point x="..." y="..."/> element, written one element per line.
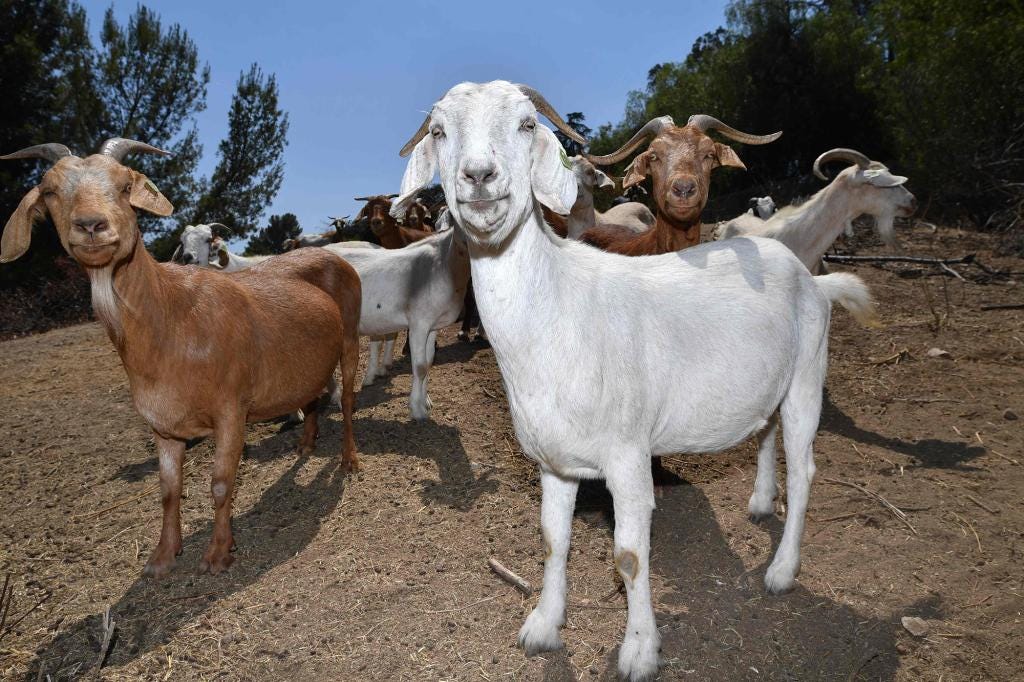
<point x="334" y="391"/>
<point x="762" y="502"/>
<point x="630" y="482"/>
<point x="418" y="407"/>
<point x="801" y="410"/>
<point x="371" y="365"/>
<point x="558" y="498"/>
<point x="389" y="353"/>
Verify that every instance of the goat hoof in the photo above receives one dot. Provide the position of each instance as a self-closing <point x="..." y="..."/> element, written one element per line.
<point x="780" y="577"/>
<point x="159" y="567"/>
<point x="350" y="466"/>
<point x="638" y="656"/>
<point x="539" y="634"/>
<point x="215" y="562"/>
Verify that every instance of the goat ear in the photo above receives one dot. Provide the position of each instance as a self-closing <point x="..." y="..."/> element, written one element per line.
<point x="147" y="197"/>
<point x="18" y="232"/>
<point x="418" y="174"/>
<point x="637" y="171"/>
<point x="603" y="181"/>
<point x="880" y="177"/>
<point x="727" y="156"/>
<point x="554" y="183"/>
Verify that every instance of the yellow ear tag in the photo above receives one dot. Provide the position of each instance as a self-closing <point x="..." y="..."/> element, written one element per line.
<point x="565" y="158"/>
<point x="151" y="187"/>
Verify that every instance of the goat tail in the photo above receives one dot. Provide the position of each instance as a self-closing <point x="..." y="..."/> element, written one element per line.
<point x="850" y="292"/>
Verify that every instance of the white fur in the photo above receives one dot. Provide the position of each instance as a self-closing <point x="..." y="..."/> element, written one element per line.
<point x="809" y="229"/>
<point x="583" y="216"/>
<point x="219" y="250"/>
<point x="419" y="288"/>
<point x="105" y="298"/>
<point x="746" y="311"/>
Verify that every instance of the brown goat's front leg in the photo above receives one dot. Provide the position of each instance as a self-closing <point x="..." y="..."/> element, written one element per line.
<point x="230" y="436"/>
<point x="172" y="456"/>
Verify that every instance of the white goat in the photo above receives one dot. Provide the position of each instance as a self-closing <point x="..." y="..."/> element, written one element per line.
<point x="683" y="352"/>
<point x="809" y="229"/>
<point x="231" y="262"/>
<point x="195" y="242"/>
<point x="762" y="207"/>
<point x="419" y="287"/>
<point x="583" y="216"/>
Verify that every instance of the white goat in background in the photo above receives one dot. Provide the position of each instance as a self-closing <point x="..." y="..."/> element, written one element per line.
<point x="809" y="229"/>
<point x="632" y="215"/>
<point x="683" y="352"/>
<point x="195" y="241"/>
<point x="762" y="207"/>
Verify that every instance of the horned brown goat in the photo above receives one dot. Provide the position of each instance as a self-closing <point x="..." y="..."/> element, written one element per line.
<point x="192" y="370"/>
<point x="679" y="160"/>
<point x="391" y="234"/>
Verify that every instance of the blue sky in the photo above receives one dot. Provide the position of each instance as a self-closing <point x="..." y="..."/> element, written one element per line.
<point x="356" y="78"/>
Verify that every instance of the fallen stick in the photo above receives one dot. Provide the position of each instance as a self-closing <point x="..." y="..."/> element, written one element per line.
<point x="108" y="634"/>
<point x="896" y="511"/>
<point x="510" y="577"/>
<point x="981" y="504"/>
<point x="963" y="260"/>
<point x="1003" y="306"/>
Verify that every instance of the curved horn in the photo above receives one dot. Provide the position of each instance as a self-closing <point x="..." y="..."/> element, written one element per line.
<point x="119" y="147"/>
<point x="213" y="227"/>
<point x="549" y="112"/>
<point x="51" y="151"/>
<point x="840" y="154"/>
<point x="704" y="123"/>
<point x="390" y="196"/>
<point x="421" y="132"/>
<point x="176" y="254"/>
<point x="651" y="129"/>
<point x="361" y="198"/>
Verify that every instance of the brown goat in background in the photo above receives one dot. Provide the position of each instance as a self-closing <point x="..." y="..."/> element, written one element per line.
<point x="192" y="370"/>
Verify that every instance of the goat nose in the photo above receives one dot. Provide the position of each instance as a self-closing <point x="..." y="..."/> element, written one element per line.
<point x="187" y="259"/>
<point x="91" y="224"/>
<point x="480" y="172"/>
<point x="684" y="188"/>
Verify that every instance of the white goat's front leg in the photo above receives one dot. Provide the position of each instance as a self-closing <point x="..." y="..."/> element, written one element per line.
<point x="630" y="482"/>
<point x="558" y="499"/>
<point x="800" y="412"/>
<point x="371" y="365"/>
<point x="762" y="502"/>
<point x="430" y="349"/>
<point x="418" y="406"/>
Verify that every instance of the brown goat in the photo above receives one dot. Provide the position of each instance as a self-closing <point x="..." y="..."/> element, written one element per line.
<point x="417" y="216"/>
<point x="679" y="160"/>
<point x="391" y="234"/>
<point x="205" y="352"/>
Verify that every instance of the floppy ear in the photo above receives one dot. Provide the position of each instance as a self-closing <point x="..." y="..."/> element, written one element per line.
<point x="728" y="157"/>
<point x="637" y="171"/>
<point x="418" y="174"/>
<point x="18" y="232"/>
<point x="554" y="183"/>
<point x="147" y="197"/>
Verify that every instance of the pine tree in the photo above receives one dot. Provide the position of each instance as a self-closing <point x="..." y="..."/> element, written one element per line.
<point x="270" y="239"/>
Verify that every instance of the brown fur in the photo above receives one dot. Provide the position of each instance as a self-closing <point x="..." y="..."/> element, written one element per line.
<point x="391" y="234"/>
<point x="679" y="157"/>
<point x="204" y="351"/>
<point x="417" y="217"/>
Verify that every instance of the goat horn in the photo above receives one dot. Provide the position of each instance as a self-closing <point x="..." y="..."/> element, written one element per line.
<point x="390" y="196"/>
<point x="415" y="139"/>
<point x="840" y="154"/>
<point x="361" y="198"/>
<point x="176" y="254"/>
<point x="227" y="229"/>
<point x="704" y="123"/>
<point x="118" y="147"/>
<point x="549" y="112"/>
<point x="51" y="151"/>
<point x="651" y="129"/>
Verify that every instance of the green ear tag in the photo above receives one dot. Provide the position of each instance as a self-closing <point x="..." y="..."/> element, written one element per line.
<point x="151" y="187"/>
<point x="565" y="158"/>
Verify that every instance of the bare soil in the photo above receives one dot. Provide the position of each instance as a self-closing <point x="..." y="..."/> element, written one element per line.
<point x="384" y="575"/>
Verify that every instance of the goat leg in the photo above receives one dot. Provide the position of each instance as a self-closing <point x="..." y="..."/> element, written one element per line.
<point x="172" y="457"/>
<point x="311" y="427"/>
<point x="230" y="436"/>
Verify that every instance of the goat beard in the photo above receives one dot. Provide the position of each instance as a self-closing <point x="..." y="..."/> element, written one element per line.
<point x="884" y="227"/>
<point x="105" y="300"/>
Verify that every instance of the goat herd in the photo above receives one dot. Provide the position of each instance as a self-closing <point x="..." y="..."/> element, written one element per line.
<point x="606" y="360"/>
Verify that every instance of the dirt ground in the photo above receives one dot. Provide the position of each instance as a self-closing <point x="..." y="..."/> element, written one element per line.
<point x="384" y="575"/>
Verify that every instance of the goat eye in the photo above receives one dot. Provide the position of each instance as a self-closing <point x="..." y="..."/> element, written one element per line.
<point x="528" y="125"/>
<point x="437" y="132"/>
<point x="127" y="188"/>
<point x="653" y="157"/>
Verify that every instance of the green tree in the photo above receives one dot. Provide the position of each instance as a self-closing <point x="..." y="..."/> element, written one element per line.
<point x="575" y="120"/>
<point x="270" y="239"/>
<point x="250" y="163"/>
<point x="152" y="85"/>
